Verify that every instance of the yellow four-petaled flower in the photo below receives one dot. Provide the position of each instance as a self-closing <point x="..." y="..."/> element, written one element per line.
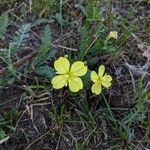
<point x="112" y="34"/>
<point x="68" y="75"/>
<point x="100" y="80"/>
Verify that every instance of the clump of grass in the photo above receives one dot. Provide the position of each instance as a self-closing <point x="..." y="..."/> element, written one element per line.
<point x="7" y="122"/>
<point x="45" y="7"/>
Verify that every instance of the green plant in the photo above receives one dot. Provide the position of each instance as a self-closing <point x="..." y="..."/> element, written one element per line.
<point x="3" y="123"/>
<point x="45" y="7"/>
<point x="82" y="120"/>
<point x="138" y="112"/>
<point x="80" y="146"/>
<point x="148" y="1"/>
<point x="2" y="134"/>
<point x="4" y="24"/>
<point x="21" y="37"/>
<point x="58" y="117"/>
<point x="86" y="115"/>
<point x="7" y="122"/>
<point x="16" y="44"/>
<point x="8" y="54"/>
<point x="45" y="51"/>
<point x="135" y="116"/>
<point x="94" y="34"/>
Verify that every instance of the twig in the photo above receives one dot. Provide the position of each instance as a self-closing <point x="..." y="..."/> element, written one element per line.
<point x="4" y="140"/>
<point x="64" y="47"/>
<point x="30" y="6"/>
<point x="37" y="139"/>
<point x="58" y="140"/>
<point x="19" y="62"/>
<point x="38" y="104"/>
<point x="30" y="56"/>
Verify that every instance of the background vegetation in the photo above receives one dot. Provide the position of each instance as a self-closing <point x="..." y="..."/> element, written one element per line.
<point x="33" y="34"/>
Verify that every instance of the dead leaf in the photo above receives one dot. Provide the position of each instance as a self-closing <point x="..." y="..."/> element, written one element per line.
<point x="145" y="49"/>
<point x="141" y="47"/>
<point x="146" y="53"/>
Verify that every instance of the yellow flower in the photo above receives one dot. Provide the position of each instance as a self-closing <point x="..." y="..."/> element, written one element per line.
<point x="112" y="34"/>
<point x="100" y="80"/>
<point x="68" y="76"/>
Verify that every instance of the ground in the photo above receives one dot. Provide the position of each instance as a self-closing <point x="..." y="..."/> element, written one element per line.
<point x="35" y="116"/>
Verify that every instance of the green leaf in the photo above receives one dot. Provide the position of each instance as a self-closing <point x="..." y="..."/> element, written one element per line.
<point x="2" y="134"/>
<point x="3" y="122"/>
<point x="45" y="50"/>
<point x="45" y="71"/>
<point x="22" y="36"/>
<point x="4" y="24"/>
<point x="41" y="21"/>
<point x="85" y="40"/>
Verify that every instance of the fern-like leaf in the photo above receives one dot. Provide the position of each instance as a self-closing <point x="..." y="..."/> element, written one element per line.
<point x="84" y="42"/>
<point x="4" y="24"/>
<point x="45" y="50"/>
<point x="45" y="71"/>
<point x="22" y="36"/>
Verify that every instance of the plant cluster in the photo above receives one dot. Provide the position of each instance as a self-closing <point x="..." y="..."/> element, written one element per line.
<point x="71" y="76"/>
<point x="42" y="67"/>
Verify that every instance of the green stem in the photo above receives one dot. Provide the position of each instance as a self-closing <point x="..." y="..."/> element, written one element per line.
<point x="110" y="112"/>
<point x="86" y="51"/>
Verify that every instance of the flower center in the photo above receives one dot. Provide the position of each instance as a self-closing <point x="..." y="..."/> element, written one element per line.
<point x="69" y="74"/>
<point x="99" y="80"/>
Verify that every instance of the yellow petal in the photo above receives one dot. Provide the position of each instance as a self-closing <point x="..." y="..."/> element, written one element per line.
<point x="62" y="65"/>
<point x="94" y="76"/>
<point x="106" y="84"/>
<point x="78" y="68"/>
<point x="59" y="81"/>
<point x="106" y="81"/>
<point x="107" y="77"/>
<point x="113" y="34"/>
<point x="101" y="70"/>
<point x="96" y="88"/>
<point x="75" y="84"/>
